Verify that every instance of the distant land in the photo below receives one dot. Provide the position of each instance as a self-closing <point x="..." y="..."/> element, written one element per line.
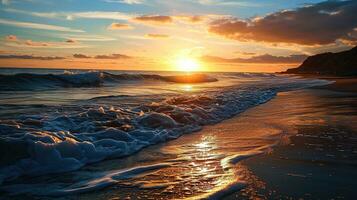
<point x="339" y="64"/>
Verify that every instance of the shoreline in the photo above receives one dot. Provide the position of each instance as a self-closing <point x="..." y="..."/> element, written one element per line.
<point x="318" y="156"/>
<point x="277" y="121"/>
<point x="190" y="166"/>
<point x="341" y="83"/>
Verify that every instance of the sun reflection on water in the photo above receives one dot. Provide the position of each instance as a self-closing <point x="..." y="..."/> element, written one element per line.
<point x="196" y="173"/>
<point x="187" y="88"/>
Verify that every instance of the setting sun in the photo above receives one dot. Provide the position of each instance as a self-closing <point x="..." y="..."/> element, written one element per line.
<point x="187" y="65"/>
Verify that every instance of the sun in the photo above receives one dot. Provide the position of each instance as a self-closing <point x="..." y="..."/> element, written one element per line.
<point x="187" y="64"/>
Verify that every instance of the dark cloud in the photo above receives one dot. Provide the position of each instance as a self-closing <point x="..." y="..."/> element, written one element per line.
<point x="80" y="56"/>
<point x="156" y="19"/>
<point x="257" y="59"/>
<point x="71" y="41"/>
<point x="113" y="56"/>
<point x="31" y="57"/>
<point x="321" y="23"/>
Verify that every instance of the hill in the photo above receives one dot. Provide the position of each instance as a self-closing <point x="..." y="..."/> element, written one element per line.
<point x="341" y="64"/>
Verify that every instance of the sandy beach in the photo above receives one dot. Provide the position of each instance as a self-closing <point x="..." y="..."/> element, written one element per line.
<point x="319" y="161"/>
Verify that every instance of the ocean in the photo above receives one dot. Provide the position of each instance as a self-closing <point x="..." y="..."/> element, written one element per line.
<point x="55" y="121"/>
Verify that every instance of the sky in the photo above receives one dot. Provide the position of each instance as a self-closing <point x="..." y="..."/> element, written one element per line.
<point x="155" y="35"/>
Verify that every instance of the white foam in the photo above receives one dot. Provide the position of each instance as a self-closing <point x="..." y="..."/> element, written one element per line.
<point x="60" y="142"/>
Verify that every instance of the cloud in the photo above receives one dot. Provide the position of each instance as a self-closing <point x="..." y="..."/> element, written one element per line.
<point x="113" y="56"/>
<point x="99" y="15"/>
<point x="126" y="1"/>
<point x="157" y="36"/>
<point x="266" y="58"/>
<point x="14" y="41"/>
<point x="227" y="3"/>
<point x="315" y="24"/>
<point x="109" y="57"/>
<point x="90" y="38"/>
<point x="154" y="19"/>
<point x="119" y="26"/>
<point x="245" y="53"/>
<point x="38" y="26"/>
<point x="80" y="56"/>
<point x="146" y="19"/>
<point x="71" y="41"/>
<point x="36" y="44"/>
<point x="74" y="15"/>
<point x="31" y="57"/>
<point x="191" y="18"/>
<point x="11" y="38"/>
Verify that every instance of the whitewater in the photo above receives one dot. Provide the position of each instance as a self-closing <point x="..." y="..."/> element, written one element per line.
<point x="55" y="121"/>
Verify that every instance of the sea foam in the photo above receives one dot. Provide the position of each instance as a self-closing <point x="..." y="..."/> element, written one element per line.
<point x="68" y="139"/>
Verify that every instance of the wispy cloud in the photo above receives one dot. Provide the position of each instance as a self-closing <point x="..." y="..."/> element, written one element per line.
<point x="240" y="3"/>
<point x="266" y="58"/>
<point x="126" y="1"/>
<point x="38" y="26"/>
<point x="14" y="41"/>
<point x="119" y="26"/>
<point x="191" y="18"/>
<point x="114" y="56"/>
<point x="154" y="19"/>
<point x="78" y="55"/>
<point x="30" y="57"/>
<point x="74" y="15"/>
<point x="88" y="38"/>
<point x="99" y="15"/>
<point x="157" y="36"/>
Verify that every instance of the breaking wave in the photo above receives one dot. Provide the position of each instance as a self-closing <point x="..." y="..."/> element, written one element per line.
<point x="29" y="81"/>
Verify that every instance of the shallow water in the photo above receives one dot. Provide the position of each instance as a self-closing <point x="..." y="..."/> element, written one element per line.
<point x="56" y="129"/>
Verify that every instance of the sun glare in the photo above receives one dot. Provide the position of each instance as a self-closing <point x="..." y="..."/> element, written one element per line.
<point x="187" y="65"/>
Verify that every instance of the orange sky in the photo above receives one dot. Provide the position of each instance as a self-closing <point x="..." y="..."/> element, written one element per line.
<point x="249" y="36"/>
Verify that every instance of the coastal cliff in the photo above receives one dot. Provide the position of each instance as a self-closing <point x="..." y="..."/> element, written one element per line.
<point x="341" y="64"/>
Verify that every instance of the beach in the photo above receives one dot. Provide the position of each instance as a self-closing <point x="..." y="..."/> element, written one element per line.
<point x="300" y="144"/>
<point x="319" y="161"/>
<point x="315" y="156"/>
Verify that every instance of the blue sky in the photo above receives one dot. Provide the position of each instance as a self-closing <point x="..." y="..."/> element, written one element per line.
<point x="137" y="28"/>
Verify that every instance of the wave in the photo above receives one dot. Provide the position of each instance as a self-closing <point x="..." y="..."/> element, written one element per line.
<point x="68" y="139"/>
<point x="29" y="81"/>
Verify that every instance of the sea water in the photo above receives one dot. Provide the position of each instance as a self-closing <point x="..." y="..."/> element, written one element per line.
<point x="55" y="121"/>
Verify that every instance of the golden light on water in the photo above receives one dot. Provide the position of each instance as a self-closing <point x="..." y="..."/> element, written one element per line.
<point x="187" y="88"/>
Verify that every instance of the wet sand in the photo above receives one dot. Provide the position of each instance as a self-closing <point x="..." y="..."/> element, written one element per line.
<point x="341" y="84"/>
<point x="301" y="144"/>
<point x="320" y="161"/>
